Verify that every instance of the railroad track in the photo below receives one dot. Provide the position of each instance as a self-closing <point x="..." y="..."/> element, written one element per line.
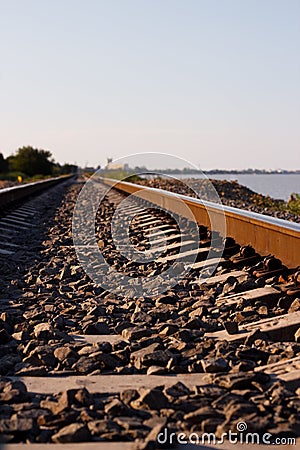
<point x="12" y="195"/>
<point x="113" y="368"/>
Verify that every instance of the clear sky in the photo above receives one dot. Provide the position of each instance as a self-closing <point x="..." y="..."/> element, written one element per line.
<point x="214" y="81"/>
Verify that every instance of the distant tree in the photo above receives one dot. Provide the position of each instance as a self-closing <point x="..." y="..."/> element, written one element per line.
<point x="68" y="168"/>
<point x="31" y="161"/>
<point x="3" y="164"/>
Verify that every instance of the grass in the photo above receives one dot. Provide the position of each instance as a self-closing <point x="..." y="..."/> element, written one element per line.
<point x="123" y="175"/>
<point x="293" y="205"/>
<point x="13" y="176"/>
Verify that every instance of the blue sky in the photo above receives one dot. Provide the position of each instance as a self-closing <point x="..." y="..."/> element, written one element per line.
<point x="216" y="82"/>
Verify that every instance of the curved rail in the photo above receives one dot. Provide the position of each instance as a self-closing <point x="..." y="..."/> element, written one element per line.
<point x="268" y="235"/>
<point x="16" y="193"/>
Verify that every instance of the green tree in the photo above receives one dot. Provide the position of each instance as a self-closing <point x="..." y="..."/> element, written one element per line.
<point x="3" y="164"/>
<point x="68" y="168"/>
<point x="31" y="161"/>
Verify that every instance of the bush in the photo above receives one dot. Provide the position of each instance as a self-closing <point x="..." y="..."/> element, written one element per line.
<point x="31" y="161"/>
<point x="293" y="204"/>
<point x="13" y="176"/>
<point x="3" y="164"/>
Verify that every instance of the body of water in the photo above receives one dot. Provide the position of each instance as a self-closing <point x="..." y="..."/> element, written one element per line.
<point x="279" y="186"/>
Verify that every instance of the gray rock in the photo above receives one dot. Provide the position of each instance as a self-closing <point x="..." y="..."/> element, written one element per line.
<point x="13" y="396"/>
<point x="58" y="420"/>
<point x="135" y="333"/>
<point x="235" y="410"/>
<point x="231" y="327"/>
<point x="116" y="408"/>
<point x="150" y="442"/>
<point x="14" y="426"/>
<point x="99" y="427"/>
<point x="156" y="370"/>
<point x="83" y="397"/>
<point x="198" y="313"/>
<point x="243" y="366"/>
<point x="168" y="330"/>
<point x="151" y="399"/>
<point x="193" y="324"/>
<point x="196" y="417"/>
<point x="4" y="336"/>
<point x="253" y="354"/>
<point x="295" y="306"/>
<point x="210" y="425"/>
<point x="66" y="355"/>
<point x="138" y="357"/>
<point x="128" y="395"/>
<point x="177" y="390"/>
<point x="8" y="362"/>
<point x="97" y="328"/>
<point x="96" y="361"/>
<point x="20" y="336"/>
<point x="158" y="358"/>
<point x="128" y="422"/>
<point x="242" y="380"/>
<point x="214" y="365"/>
<point x="76" y="432"/>
<point x="43" y="331"/>
<point x="166" y="300"/>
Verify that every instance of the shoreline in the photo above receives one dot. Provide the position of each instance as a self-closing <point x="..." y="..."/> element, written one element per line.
<point x="231" y="193"/>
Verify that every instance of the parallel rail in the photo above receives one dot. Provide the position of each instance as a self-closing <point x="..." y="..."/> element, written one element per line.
<point x="268" y="235"/>
<point x="13" y="194"/>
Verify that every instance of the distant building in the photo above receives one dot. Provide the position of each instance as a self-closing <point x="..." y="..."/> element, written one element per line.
<point x="89" y="169"/>
<point x="110" y="165"/>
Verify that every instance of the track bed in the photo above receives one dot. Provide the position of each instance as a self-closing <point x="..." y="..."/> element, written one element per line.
<point x="79" y="363"/>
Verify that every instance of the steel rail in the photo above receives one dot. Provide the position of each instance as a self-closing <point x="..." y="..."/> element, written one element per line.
<point x="268" y="235"/>
<point x="15" y="193"/>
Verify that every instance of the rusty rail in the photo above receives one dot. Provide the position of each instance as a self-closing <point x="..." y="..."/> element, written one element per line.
<point x="268" y="235"/>
<point x="15" y="193"/>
